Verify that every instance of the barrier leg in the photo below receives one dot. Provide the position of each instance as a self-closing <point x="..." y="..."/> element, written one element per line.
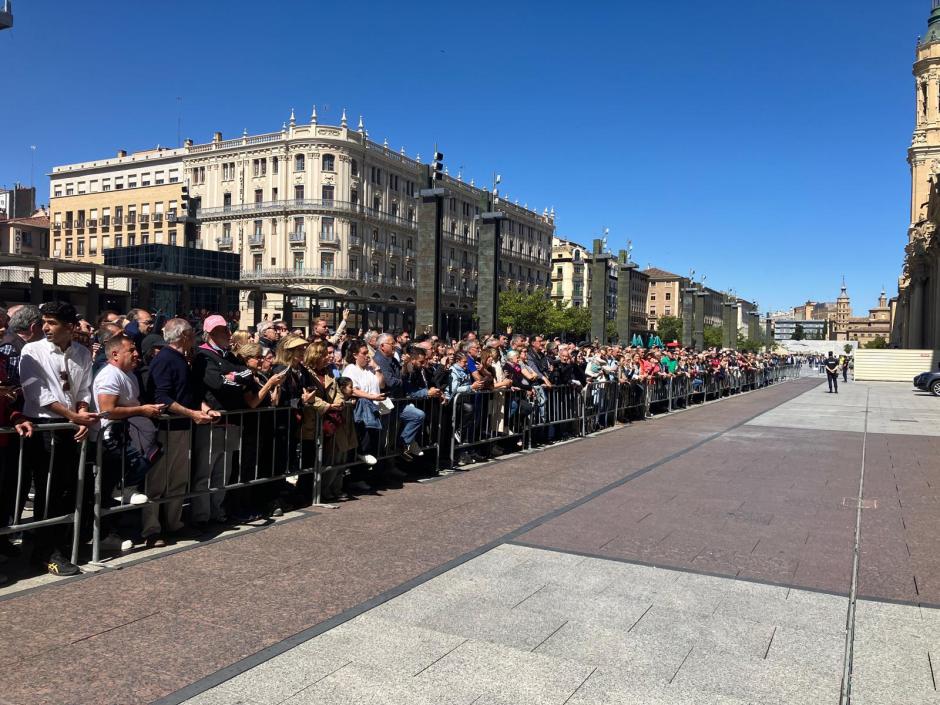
<point x="79" y="497"/>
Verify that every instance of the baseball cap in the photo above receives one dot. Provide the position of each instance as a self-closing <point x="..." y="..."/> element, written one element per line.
<point x="213" y="322"/>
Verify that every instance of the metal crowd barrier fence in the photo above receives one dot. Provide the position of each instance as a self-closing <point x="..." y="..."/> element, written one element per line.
<point x="600" y="406"/>
<point x="202" y="462"/>
<point x="555" y="409"/>
<point x="631" y="398"/>
<point x="31" y="453"/>
<point x="415" y="418"/>
<point x="486" y="417"/>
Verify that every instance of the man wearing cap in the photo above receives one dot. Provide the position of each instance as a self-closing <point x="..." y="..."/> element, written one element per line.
<point x="221" y="383"/>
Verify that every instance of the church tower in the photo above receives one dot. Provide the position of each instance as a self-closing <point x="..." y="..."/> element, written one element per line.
<point x="924" y="153"/>
<point x="840" y="325"/>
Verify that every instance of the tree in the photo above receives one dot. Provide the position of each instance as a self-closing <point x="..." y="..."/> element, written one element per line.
<point x="612" y="331"/>
<point x="573" y="323"/>
<point x="526" y="313"/>
<point x="876" y="343"/>
<point x="798" y="333"/>
<point x="669" y="328"/>
<point x="847" y="348"/>
<point x="712" y="335"/>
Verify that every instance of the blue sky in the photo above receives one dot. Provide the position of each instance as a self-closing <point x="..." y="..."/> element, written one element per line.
<point x="763" y="143"/>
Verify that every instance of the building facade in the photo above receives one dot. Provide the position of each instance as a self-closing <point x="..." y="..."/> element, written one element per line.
<point x="25" y="236"/>
<point x="917" y="320"/>
<point x="128" y="200"/>
<point x="17" y="202"/>
<point x="785" y="328"/>
<point x="319" y="207"/>
<point x="666" y="293"/>
<point x="876" y="324"/>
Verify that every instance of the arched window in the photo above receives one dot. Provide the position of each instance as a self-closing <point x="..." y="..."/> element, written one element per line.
<point x="328" y="162"/>
<point x="299" y="164"/>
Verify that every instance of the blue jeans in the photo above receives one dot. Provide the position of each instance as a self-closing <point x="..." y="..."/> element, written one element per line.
<point x="412" y="418"/>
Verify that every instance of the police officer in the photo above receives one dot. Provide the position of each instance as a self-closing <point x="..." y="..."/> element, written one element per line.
<point x="832" y="373"/>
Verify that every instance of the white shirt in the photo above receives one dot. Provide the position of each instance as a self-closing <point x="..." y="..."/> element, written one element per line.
<point x="363" y="379"/>
<point x="44" y="370"/>
<point x="111" y="379"/>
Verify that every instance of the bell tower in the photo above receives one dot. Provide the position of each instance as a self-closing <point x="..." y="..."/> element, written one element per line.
<point x="840" y="327"/>
<point x="924" y="153"/>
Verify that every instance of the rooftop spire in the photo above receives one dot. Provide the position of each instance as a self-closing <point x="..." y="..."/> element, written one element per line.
<point x="313" y="116"/>
<point x="292" y="120"/>
<point x="933" y="24"/>
<point x="342" y="122"/>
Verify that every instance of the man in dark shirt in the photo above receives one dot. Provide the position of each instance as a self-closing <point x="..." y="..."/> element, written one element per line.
<point x="168" y="383"/>
<point x="410" y="416"/>
<point x="832" y="373"/>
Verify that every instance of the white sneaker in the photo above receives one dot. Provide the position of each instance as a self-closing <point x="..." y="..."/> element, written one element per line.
<point x="113" y="542"/>
<point x="138" y="498"/>
<point x="415" y="449"/>
<point x="368" y="459"/>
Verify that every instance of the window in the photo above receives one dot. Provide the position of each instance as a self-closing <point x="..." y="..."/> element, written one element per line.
<point x="92" y="246"/>
<point x="354" y="196"/>
<point x="668" y="296"/>
<point x="69" y="189"/>
<point x="81" y="187"/>
<point x="298" y="262"/>
<point x="257" y="263"/>
<point x="68" y="248"/>
<point x="228" y="171"/>
<point x="274" y="226"/>
<point x="259" y="195"/>
<point x="145" y="179"/>
<point x="172" y="234"/>
<point x="393" y="181"/>
<point x="299" y="226"/>
<point x="259" y="228"/>
<point x="259" y="167"/>
<point x="408" y="275"/>
<point x="159" y="177"/>
<point x="652" y="297"/>
<point x="274" y="193"/>
<point x="174" y="175"/>
<point x="393" y="271"/>
<point x="81" y="247"/>
<point x="132" y="181"/>
<point x="119" y="241"/>
<point x="118" y="183"/>
<point x="327" y="193"/>
<point x="326" y="264"/>
<point x="354" y="266"/>
<point x="131" y="240"/>
<point x="377" y="203"/>
<point x="354" y="167"/>
<point x="326" y="229"/>
<point x="354" y="230"/>
<point x="145" y="239"/>
<point x="226" y="201"/>
<point x="329" y="162"/>
<point x="298" y="193"/>
<point x="227" y="231"/>
<point x="299" y="162"/>
<point x="375" y="269"/>
<point x="274" y="165"/>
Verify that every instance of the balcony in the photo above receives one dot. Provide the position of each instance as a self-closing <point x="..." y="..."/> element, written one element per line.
<point x="304" y="205"/>
<point x="355" y="241"/>
<point x="256" y="240"/>
<point x="157" y="218"/>
<point x="409" y="253"/>
<point x="224" y="242"/>
<point x="297" y="237"/>
<point x="144" y="217"/>
<point x="330" y="238"/>
<point x="299" y="275"/>
<point x="394" y="250"/>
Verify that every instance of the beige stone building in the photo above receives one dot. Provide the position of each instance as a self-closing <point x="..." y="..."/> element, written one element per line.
<point x="876" y="324"/>
<point x="571" y="282"/>
<point x="25" y="236"/>
<point x="130" y="199"/>
<point x="917" y="318"/>
<point x="317" y="206"/>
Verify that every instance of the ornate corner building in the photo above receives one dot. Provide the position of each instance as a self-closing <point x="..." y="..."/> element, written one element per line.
<point x="917" y="314"/>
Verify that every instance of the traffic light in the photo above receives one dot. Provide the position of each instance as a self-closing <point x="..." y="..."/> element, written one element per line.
<point x="437" y="166"/>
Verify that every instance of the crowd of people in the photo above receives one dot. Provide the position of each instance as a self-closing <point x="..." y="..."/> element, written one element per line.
<point x="183" y="416"/>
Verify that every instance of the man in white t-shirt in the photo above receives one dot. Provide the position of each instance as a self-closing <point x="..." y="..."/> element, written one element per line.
<point x="118" y="397"/>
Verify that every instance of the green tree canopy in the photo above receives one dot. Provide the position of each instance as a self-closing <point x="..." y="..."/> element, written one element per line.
<point x="877" y="343"/>
<point x="798" y="333"/>
<point x="669" y="328"/>
<point x="712" y="336"/>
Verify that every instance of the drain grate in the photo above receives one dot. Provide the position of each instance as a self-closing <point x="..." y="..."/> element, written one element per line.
<point x="855" y="503"/>
<point x="906" y="420"/>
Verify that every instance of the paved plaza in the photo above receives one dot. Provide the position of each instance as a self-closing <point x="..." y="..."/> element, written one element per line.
<point x="706" y="556"/>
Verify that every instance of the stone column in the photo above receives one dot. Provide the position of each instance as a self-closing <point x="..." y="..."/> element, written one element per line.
<point x="35" y="288"/>
<point x="488" y="251"/>
<point x="257" y="303"/>
<point x="624" y="296"/>
<point x="753" y="325"/>
<point x="428" y="270"/>
<point x="688" y="308"/>
<point x="93" y="299"/>
<point x="698" y="321"/>
<point x="916" y="327"/>
<point x="599" y="284"/>
<point x="288" y="311"/>
<point x="729" y="324"/>
<point x="186" y="300"/>
<point x="143" y="293"/>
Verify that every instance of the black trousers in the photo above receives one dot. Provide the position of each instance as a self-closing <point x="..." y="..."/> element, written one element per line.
<point x="53" y="457"/>
<point x="833" y="378"/>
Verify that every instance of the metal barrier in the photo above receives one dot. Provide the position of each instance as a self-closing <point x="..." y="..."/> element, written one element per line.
<point x="44" y="479"/>
<point x="631" y="397"/>
<point x="600" y="406"/>
<point x="487" y="417"/>
<point x="205" y="461"/>
<point x="554" y="410"/>
<point x="419" y="418"/>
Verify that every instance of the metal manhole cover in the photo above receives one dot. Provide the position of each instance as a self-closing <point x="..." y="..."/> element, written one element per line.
<point x="855" y="503"/>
